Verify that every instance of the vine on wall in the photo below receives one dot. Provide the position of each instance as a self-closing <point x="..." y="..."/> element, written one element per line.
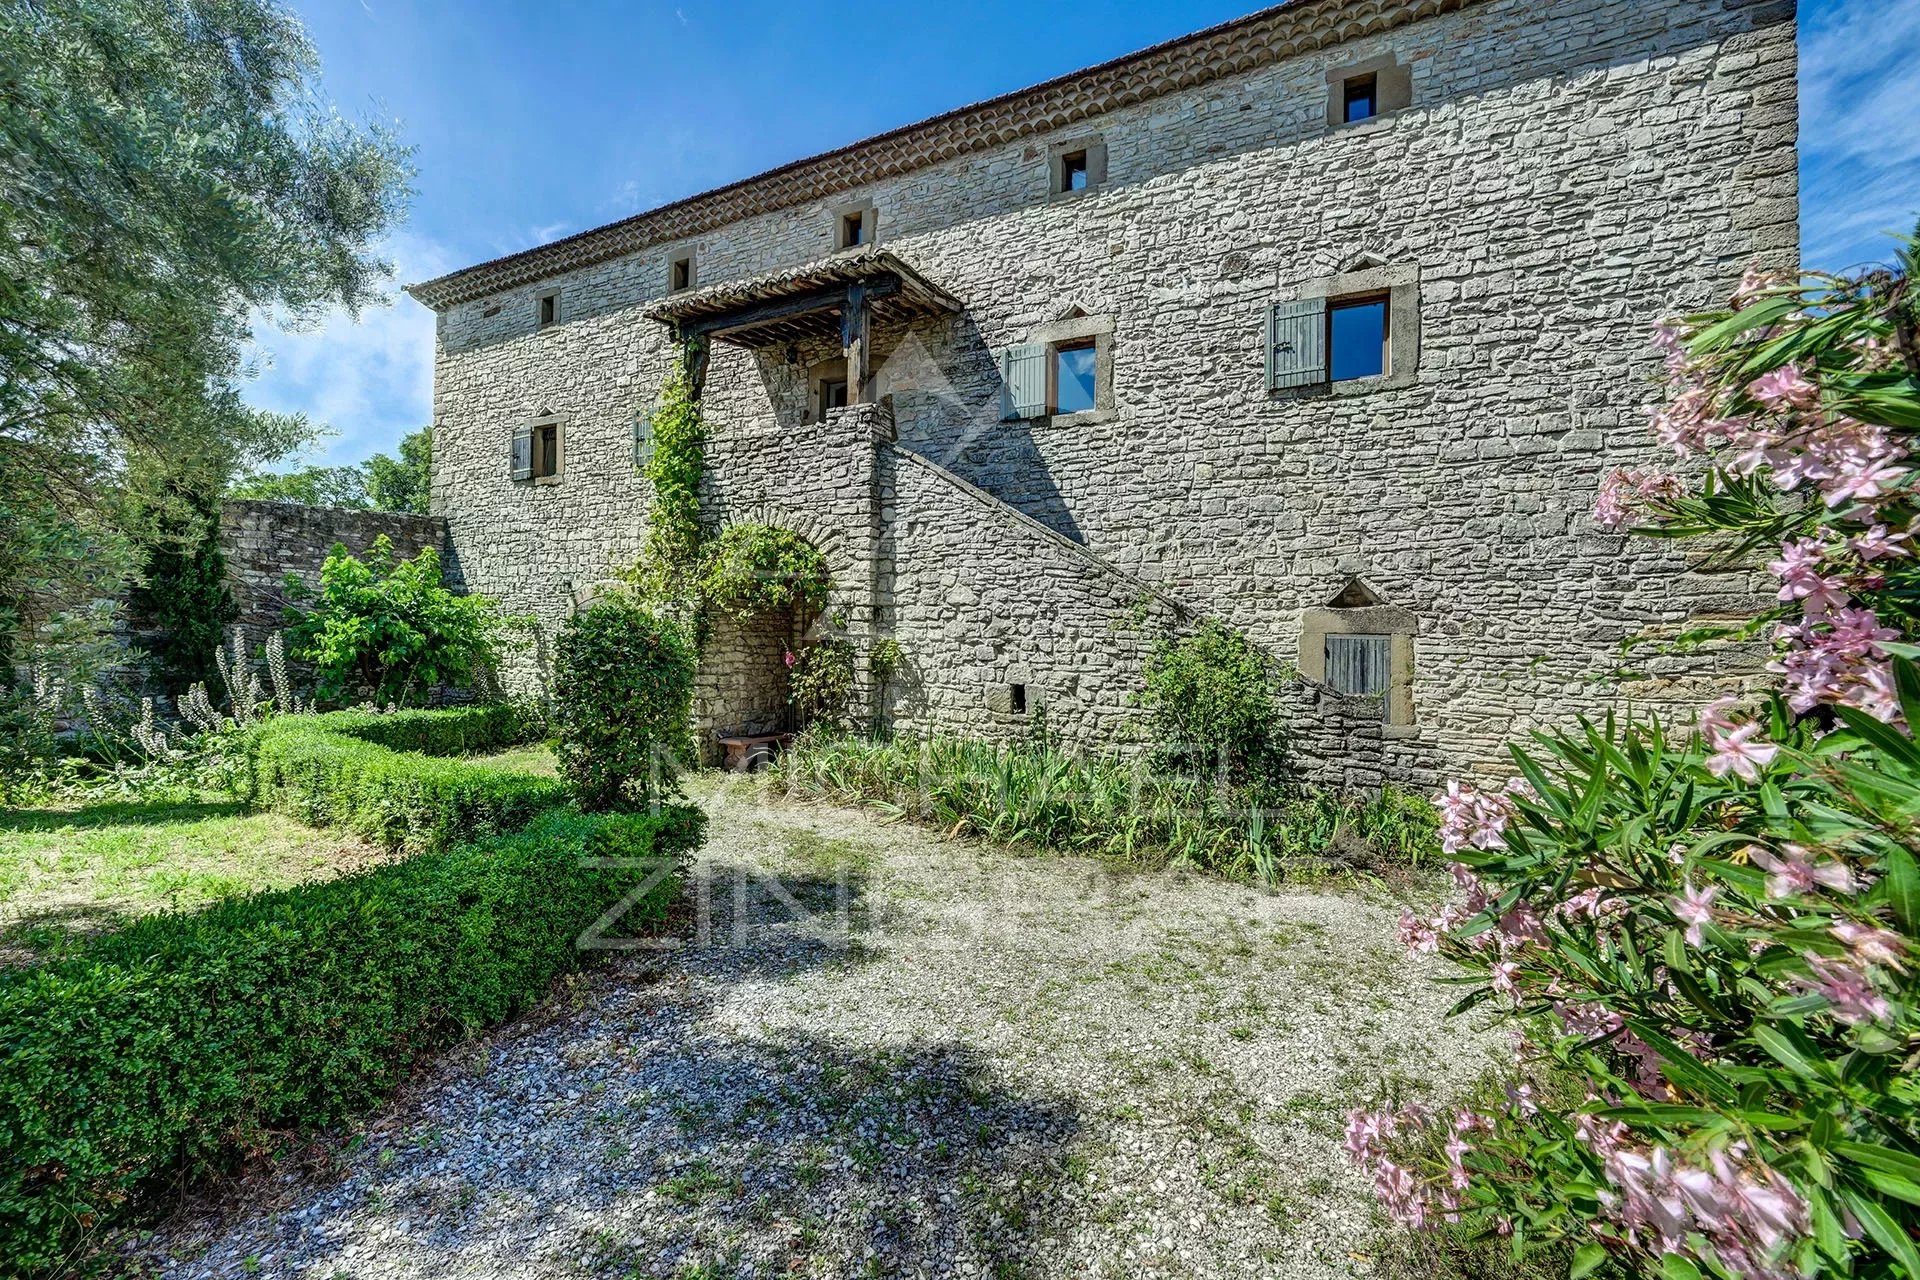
<point x="670" y="558"/>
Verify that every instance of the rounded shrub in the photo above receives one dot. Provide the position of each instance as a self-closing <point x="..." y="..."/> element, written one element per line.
<point x="623" y="703"/>
<point x="1211" y="695"/>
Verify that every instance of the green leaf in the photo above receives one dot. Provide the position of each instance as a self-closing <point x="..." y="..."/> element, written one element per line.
<point x="1791" y="1051"/>
<point x="1885" y="1232"/>
<point x="1903" y="887"/>
<point x="1585" y="1259"/>
<point x="1871" y="1155"/>
<point x="1675" y="1267"/>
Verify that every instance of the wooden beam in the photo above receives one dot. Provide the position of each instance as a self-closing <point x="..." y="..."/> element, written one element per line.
<point x="857" y="342"/>
<point x="752" y="315"/>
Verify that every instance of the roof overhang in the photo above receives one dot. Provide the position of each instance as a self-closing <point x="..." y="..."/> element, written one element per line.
<point x="805" y="301"/>
<point x="1284" y="31"/>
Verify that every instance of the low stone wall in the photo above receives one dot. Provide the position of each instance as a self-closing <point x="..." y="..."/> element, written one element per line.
<point x="266" y="541"/>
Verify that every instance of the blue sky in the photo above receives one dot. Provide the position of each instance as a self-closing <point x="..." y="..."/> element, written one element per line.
<point x="534" y="120"/>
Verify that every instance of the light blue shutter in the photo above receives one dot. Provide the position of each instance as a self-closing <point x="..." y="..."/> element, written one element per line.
<point x="1359" y="664"/>
<point x="522" y="453"/>
<point x="1024" y="371"/>
<point x="1297" y="343"/>
<point x="642" y="440"/>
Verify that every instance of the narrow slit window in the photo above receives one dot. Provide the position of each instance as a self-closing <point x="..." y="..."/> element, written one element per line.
<point x="549" y="308"/>
<point x="853" y="230"/>
<point x="1361" y="96"/>
<point x="680" y="274"/>
<point x="1073" y="171"/>
<point x="1074" y="368"/>
<point x="1017" y="697"/>
<point x="1357" y="338"/>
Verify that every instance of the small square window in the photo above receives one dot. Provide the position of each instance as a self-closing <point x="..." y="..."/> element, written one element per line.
<point x="1074" y="367"/>
<point x="833" y="395"/>
<point x="1073" y="171"/>
<point x="1357" y="338"/>
<point x="1361" y="98"/>
<point x="680" y="273"/>
<point x="853" y="229"/>
<point x="549" y="308"/>
<point x="546" y="450"/>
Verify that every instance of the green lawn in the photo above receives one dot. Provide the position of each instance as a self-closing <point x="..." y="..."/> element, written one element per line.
<point x="70" y="871"/>
<point x="536" y="758"/>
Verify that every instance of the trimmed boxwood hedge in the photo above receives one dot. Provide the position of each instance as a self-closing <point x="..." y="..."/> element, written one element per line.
<point x="381" y="776"/>
<point x="185" y="1040"/>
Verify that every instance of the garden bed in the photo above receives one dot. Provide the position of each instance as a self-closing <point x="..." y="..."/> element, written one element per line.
<point x="70" y="872"/>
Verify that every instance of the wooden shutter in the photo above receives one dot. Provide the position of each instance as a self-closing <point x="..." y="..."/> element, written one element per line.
<point x="1297" y="343"/>
<point x="1359" y="664"/>
<point x="642" y="440"/>
<point x="1024" y="371"/>
<point x="521" y="457"/>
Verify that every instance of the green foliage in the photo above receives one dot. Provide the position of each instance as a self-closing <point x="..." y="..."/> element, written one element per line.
<point x="367" y="774"/>
<point x="171" y="172"/>
<point x="186" y="1040"/>
<point x="820" y="683"/>
<point x="1212" y="699"/>
<point x="183" y="591"/>
<point x="669" y="563"/>
<point x="1714" y="931"/>
<point x="623" y="703"/>
<point x="885" y="659"/>
<point x="753" y="568"/>
<point x="1108" y="805"/>
<point x="380" y="483"/>
<point x="390" y="630"/>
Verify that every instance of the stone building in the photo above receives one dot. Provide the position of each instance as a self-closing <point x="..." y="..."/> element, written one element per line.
<point x="1324" y="322"/>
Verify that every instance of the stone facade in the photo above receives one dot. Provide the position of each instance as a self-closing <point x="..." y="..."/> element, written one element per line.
<point x="265" y="541"/>
<point x="1558" y="177"/>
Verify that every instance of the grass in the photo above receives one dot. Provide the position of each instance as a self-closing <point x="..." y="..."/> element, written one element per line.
<point x="68" y="872"/>
<point x="536" y="758"/>
<point x="1112" y="805"/>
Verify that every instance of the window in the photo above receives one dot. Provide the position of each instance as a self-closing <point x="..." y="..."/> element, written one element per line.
<point x="853" y="230"/>
<point x="1357" y="338"/>
<point x="1074" y="366"/>
<point x="1073" y="171"/>
<point x="1017" y="698"/>
<point x="1359" y="664"/>
<point x="548" y="311"/>
<point x="853" y="225"/>
<point x="833" y="395"/>
<point x="680" y="273"/>
<point x="538" y="451"/>
<point x="1075" y="166"/>
<point x="1360" y="98"/>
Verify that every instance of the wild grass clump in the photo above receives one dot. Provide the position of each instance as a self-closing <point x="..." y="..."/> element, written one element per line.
<point x="1034" y="795"/>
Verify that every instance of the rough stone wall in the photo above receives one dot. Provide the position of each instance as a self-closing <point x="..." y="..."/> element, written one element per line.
<point x="1565" y="174"/>
<point x="266" y="541"/>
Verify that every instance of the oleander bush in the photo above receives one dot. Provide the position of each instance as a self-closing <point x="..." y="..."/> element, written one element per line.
<point x="188" y="1041"/>
<point x="623" y="703"/>
<point x="1129" y="808"/>
<point x="371" y="775"/>
<point x="1710" y="929"/>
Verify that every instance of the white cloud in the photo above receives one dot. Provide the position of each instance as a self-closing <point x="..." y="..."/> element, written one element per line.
<point x="370" y="380"/>
<point x="1860" y="129"/>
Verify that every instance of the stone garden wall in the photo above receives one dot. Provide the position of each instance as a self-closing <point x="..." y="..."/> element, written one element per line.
<point x="266" y="541"/>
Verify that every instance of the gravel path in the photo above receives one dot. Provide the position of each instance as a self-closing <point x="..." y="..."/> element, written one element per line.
<point x="883" y="1054"/>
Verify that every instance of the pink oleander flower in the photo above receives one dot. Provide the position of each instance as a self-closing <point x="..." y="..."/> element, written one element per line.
<point x="1717" y="716"/>
<point x="1879" y="544"/>
<point x="1799" y="570"/>
<point x="1794" y="872"/>
<point x="1694" y="908"/>
<point x="1418" y="934"/>
<point x="1871" y="945"/>
<point x="790" y="657"/>
<point x="1501" y="975"/>
<point x="1365" y="1129"/>
<point x="1400" y="1195"/>
<point x="1785" y="388"/>
<point x="1472" y="819"/>
<point x="1624" y="490"/>
<point x="1862" y="480"/>
<point x="1736" y="752"/>
<point x="1849" y="992"/>
<point x="1753" y="283"/>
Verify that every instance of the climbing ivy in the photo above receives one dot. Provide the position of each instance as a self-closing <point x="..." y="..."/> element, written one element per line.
<point x="669" y="562"/>
<point x="752" y="568"/>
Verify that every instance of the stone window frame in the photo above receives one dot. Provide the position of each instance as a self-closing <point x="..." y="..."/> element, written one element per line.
<point x="559" y="425"/>
<point x="869" y="224"/>
<point x="1400" y="284"/>
<point x="1397" y="624"/>
<point x="819" y="376"/>
<point x="1095" y="148"/>
<point x="1392" y="90"/>
<point x="541" y="317"/>
<point x="683" y="255"/>
<point x="1076" y="331"/>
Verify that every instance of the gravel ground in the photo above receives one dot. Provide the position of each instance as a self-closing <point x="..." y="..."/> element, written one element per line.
<point x="882" y="1054"/>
